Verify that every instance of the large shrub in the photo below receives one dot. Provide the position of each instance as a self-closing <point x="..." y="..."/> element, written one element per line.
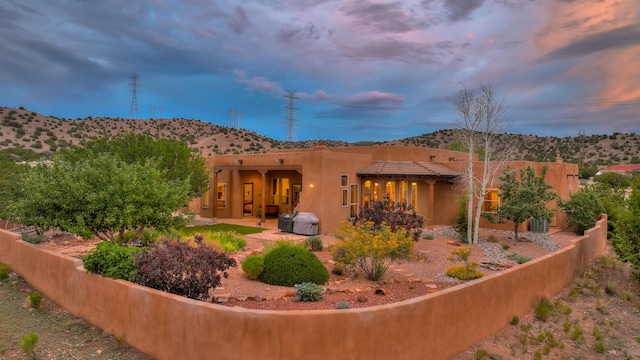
<point x="112" y="260"/>
<point x="371" y="248"/>
<point x="397" y="215"/>
<point x="289" y="265"/>
<point x="582" y="209"/>
<point x="253" y="266"/>
<point x="626" y="239"/>
<point x="613" y="180"/>
<point x="180" y="269"/>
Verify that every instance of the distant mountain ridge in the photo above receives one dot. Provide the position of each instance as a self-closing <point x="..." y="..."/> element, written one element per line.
<point x="24" y="129"/>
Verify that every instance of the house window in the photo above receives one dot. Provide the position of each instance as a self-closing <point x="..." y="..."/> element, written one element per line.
<point x="221" y="196"/>
<point x="344" y="185"/>
<point x="405" y="190"/>
<point x="353" y="202"/>
<point x="280" y="190"/>
<point x="205" y="199"/>
<point x="414" y="194"/>
<point x="375" y="191"/>
<point x="367" y="193"/>
<point x="491" y="201"/>
<point x="390" y="190"/>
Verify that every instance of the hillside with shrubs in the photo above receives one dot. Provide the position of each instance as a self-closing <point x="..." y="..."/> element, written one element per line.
<point x="28" y="135"/>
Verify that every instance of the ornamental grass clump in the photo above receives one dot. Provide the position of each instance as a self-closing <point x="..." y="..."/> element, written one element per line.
<point x="468" y="271"/>
<point x="29" y="343"/>
<point x="308" y="292"/>
<point x="543" y="309"/>
<point x="371" y="248"/>
<point x="228" y="241"/>
<point x="341" y="305"/>
<point x="5" y="270"/>
<point x="314" y="243"/>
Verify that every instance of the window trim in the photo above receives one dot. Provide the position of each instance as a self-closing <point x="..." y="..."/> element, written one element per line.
<point x="354" y="200"/>
<point x="490" y="205"/>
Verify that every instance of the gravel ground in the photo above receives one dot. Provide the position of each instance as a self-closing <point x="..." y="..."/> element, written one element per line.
<point x="403" y="280"/>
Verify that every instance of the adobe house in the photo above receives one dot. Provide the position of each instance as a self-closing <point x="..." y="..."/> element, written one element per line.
<point x="336" y="183"/>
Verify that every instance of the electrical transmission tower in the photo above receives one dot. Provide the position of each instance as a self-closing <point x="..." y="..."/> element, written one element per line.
<point x="582" y="148"/>
<point x="133" y="109"/>
<point x="291" y="114"/>
<point x="235" y="119"/>
<point x="156" y="109"/>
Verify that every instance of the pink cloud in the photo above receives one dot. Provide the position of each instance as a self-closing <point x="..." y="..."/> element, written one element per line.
<point x="258" y="83"/>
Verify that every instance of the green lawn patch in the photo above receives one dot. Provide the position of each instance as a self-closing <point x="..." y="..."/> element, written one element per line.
<point x="240" y="229"/>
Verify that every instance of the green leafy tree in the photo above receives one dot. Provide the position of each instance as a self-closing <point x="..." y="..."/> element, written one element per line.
<point x="175" y="157"/>
<point x="582" y="209"/>
<point x="614" y="180"/>
<point x="10" y="175"/>
<point x="612" y="201"/>
<point x="626" y="238"/>
<point x="525" y="198"/>
<point x="28" y="199"/>
<point x="587" y="172"/>
<point x="100" y="196"/>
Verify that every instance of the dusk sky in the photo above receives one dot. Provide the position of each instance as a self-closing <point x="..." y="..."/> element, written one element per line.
<point x="362" y="70"/>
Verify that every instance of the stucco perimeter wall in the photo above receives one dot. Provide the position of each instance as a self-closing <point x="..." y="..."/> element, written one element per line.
<point x="435" y="326"/>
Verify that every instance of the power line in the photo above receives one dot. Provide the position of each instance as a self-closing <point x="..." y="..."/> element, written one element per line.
<point x="133" y="108"/>
<point x="574" y="105"/>
<point x="291" y="114"/>
<point x="235" y="119"/>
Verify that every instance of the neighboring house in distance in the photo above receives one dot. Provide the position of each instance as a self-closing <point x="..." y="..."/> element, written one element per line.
<point x="336" y="183"/>
<point x="624" y="169"/>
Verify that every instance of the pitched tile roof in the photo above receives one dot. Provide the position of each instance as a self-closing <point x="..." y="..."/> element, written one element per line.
<point x="386" y="167"/>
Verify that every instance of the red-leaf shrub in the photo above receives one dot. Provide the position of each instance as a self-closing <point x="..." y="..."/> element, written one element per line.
<point x="396" y="215"/>
<point x="180" y="269"/>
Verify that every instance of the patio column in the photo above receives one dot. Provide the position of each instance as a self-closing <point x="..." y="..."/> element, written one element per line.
<point x="263" y="196"/>
<point x="430" y="203"/>
<point x="234" y="201"/>
<point x="213" y="203"/>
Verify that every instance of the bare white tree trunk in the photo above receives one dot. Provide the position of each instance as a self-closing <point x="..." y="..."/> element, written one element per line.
<point x="482" y="119"/>
<point x="463" y="101"/>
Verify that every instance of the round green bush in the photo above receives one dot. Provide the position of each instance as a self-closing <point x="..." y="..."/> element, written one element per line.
<point x="253" y="266"/>
<point x="290" y="265"/>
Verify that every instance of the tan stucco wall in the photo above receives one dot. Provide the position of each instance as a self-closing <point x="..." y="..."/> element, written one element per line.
<point x="435" y="326"/>
<point x="563" y="178"/>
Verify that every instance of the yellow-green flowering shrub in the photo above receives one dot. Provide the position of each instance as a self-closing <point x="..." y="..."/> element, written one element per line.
<point x="371" y="248"/>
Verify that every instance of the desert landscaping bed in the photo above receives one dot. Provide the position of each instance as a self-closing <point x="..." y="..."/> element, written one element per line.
<point x="406" y="279"/>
